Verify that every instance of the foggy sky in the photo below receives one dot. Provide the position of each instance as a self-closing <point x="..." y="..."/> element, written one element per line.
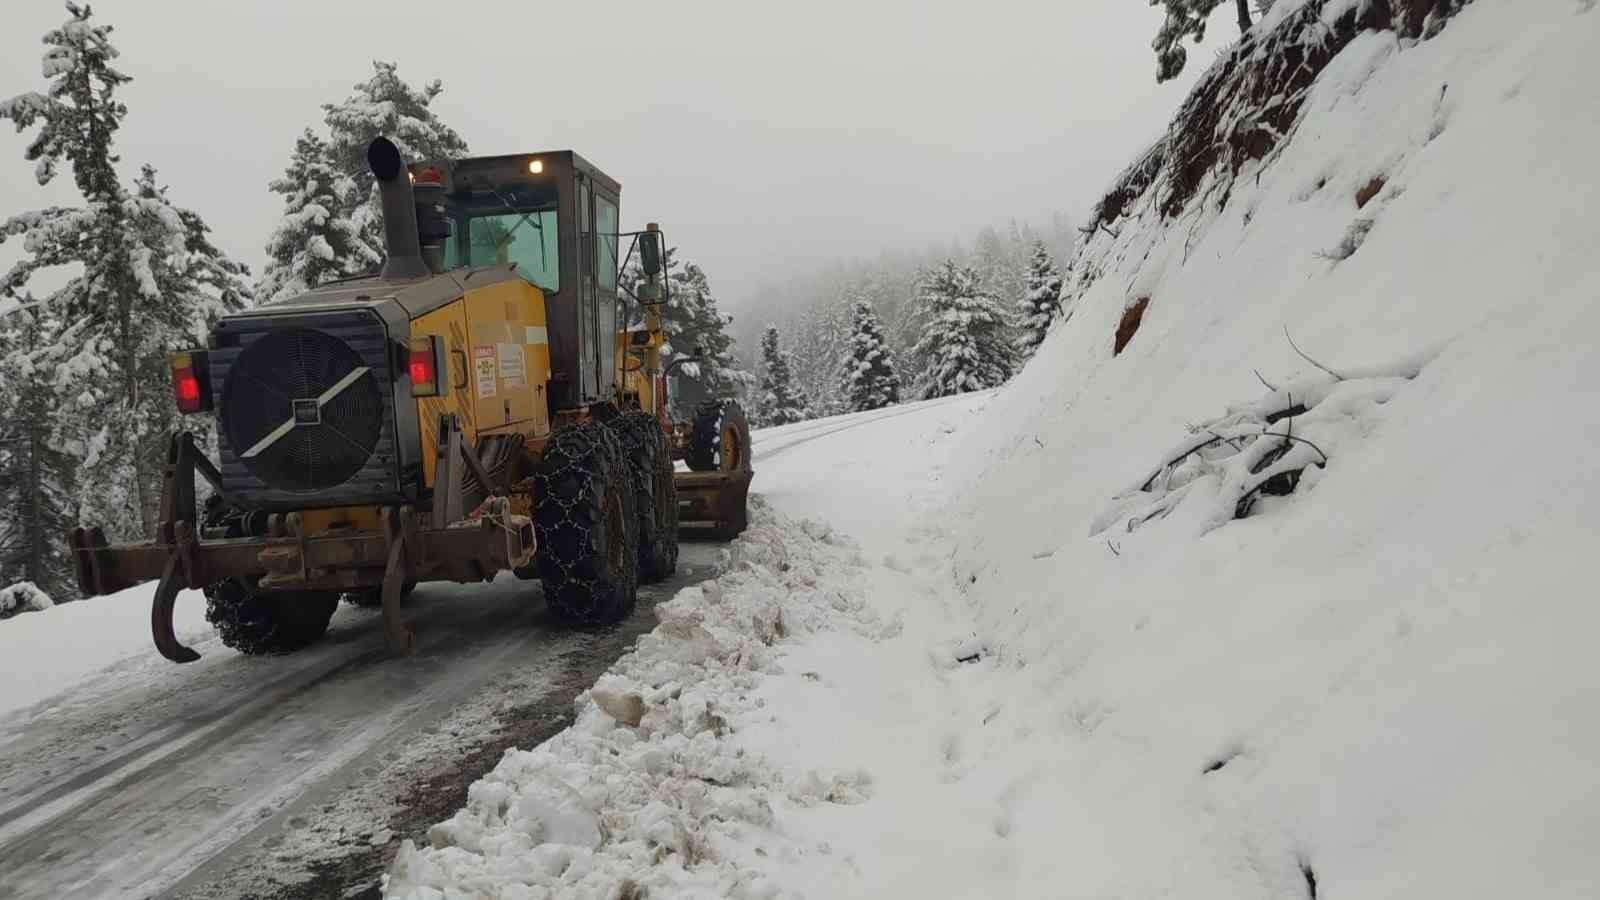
<point x="767" y="138"/>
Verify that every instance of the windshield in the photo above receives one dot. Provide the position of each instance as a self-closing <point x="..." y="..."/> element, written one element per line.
<point x="497" y="227"/>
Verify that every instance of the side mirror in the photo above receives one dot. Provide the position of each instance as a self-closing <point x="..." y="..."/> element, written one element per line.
<point x="650" y="250"/>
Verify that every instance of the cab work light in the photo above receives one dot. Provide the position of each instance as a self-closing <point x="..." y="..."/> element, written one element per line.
<point x="191" y="381"/>
<point x="426" y="366"/>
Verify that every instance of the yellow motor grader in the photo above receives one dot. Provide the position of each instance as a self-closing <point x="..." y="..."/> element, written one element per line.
<point x="478" y="405"/>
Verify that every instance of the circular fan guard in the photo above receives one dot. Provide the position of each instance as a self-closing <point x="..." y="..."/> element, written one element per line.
<point x="301" y="364"/>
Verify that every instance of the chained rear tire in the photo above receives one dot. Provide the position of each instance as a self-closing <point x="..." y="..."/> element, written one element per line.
<point x="705" y="436"/>
<point x="587" y="525"/>
<point x="644" y="445"/>
<point x="268" y="623"/>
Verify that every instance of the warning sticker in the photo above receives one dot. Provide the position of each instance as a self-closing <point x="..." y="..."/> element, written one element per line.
<point x="513" y="368"/>
<point x="484" y="366"/>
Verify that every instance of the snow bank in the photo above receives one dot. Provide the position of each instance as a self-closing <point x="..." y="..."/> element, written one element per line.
<point x="647" y="793"/>
<point x="62" y="645"/>
<point x="1382" y="680"/>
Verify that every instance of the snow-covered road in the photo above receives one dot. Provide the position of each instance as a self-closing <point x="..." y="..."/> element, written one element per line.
<point x="240" y="774"/>
<point x="124" y="775"/>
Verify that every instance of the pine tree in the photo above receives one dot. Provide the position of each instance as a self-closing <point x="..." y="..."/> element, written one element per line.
<point x="819" y="341"/>
<point x="694" y="327"/>
<point x="382" y="105"/>
<point x="869" y="378"/>
<point x="1186" y="19"/>
<point x="1001" y="264"/>
<point x="316" y="242"/>
<point x="36" y="507"/>
<point x="779" y="403"/>
<point x="147" y="280"/>
<point x="1041" y="303"/>
<point x="965" y="342"/>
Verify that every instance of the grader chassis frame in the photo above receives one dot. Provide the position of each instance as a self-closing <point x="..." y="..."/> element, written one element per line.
<point x="408" y="548"/>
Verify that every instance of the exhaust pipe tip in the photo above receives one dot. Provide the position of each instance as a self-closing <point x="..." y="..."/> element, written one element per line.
<point x="383" y="158"/>
<point x="401" y="240"/>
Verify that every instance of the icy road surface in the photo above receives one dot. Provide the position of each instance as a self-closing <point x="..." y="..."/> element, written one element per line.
<point x="122" y="774"/>
<point x="278" y="775"/>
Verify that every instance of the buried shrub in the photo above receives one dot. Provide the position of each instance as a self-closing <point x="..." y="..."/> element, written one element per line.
<point x="1354" y="237"/>
<point x="22" y="597"/>
<point x="1272" y="447"/>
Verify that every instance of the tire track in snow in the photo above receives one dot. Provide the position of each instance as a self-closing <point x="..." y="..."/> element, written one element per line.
<point x="898" y="411"/>
<point x="196" y="766"/>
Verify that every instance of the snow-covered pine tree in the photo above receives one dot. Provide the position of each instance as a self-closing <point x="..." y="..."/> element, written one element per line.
<point x="779" y="403"/>
<point x="382" y="105"/>
<point x="1041" y="302"/>
<point x="36" y="506"/>
<point x="1186" y="19"/>
<point x="142" y="279"/>
<point x="693" y="322"/>
<point x="316" y="241"/>
<point x="1001" y="263"/>
<point x="819" y="340"/>
<point x="869" y="378"/>
<point x="966" y="343"/>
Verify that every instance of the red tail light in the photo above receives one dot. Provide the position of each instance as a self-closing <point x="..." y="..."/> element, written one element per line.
<point x="191" y="383"/>
<point x="426" y="364"/>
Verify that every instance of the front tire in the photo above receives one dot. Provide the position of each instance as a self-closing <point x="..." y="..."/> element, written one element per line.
<point x="705" y="436"/>
<point x="268" y="623"/>
<point x="655" y="493"/>
<point x="587" y="525"/>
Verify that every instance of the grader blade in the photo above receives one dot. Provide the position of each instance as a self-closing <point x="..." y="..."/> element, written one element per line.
<point x="713" y="504"/>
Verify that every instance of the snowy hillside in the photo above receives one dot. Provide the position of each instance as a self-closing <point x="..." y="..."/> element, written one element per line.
<point x="1201" y="618"/>
<point x="1384" y="679"/>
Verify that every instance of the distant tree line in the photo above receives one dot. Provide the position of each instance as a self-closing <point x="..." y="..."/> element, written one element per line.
<point x="866" y="334"/>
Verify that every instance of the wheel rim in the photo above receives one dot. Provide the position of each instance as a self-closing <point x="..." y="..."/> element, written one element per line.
<point x="732" y="449"/>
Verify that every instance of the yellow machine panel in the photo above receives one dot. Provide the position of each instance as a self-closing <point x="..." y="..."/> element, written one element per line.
<point x="499" y="362"/>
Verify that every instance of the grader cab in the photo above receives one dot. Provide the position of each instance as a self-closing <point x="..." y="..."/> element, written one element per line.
<point x="478" y="405"/>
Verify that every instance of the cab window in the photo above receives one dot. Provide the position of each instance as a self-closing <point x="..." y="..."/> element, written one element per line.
<point x="605" y="242"/>
<point x="514" y="224"/>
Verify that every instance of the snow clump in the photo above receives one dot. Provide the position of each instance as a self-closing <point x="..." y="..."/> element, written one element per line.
<point x="645" y="793"/>
<point x="23" y="597"/>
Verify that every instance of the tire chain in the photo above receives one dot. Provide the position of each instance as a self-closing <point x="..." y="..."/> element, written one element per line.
<point x="705" y="436"/>
<point x="572" y="558"/>
<point x="272" y="623"/>
<point x="644" y="444"/>
<point x="252" y="623"/>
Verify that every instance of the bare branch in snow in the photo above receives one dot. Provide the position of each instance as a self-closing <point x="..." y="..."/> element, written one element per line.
<point x="1308" y="359"/>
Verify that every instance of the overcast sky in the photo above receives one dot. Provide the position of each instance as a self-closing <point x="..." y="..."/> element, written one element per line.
<point x="767" y="138"/>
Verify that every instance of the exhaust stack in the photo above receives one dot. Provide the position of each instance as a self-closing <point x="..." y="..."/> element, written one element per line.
<point x="404" y="256"/>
